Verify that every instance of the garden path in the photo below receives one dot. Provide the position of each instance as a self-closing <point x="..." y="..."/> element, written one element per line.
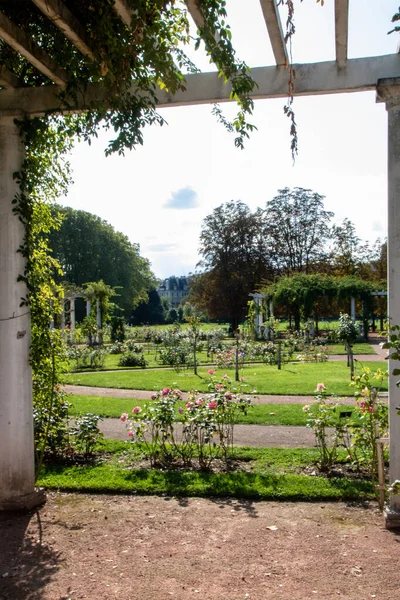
<point x="130" y="547"/>
<point x="256" y="436"/>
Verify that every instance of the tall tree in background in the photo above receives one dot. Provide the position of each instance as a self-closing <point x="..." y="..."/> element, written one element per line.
<point x="345" y="254"/>
<point x="234" y="261"/>
<point x="89" y="249"/>
<point x="297" y="228"/>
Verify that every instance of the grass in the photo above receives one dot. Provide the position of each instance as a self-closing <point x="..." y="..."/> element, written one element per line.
<point x="292" y="379"/>
<point x="361" y="348"/>
<point x="271" y="478"/>
<point x="258" y="414"/>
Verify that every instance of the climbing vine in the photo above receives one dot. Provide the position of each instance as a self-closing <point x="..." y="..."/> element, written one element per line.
<point x="44" y="176"/>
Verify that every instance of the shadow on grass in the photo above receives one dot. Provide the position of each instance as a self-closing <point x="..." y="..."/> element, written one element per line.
<point x="27" y="563"/>
<point x="239" y="485"/>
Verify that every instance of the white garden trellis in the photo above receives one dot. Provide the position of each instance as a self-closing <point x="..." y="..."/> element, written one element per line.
<point x="381" y="73"/>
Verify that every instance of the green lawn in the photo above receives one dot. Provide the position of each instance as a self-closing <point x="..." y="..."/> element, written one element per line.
<point x="271" y="475"/>
<point x="361" y="348"/>
<point x="258" y="414"/>
<point x="292" y="379"/>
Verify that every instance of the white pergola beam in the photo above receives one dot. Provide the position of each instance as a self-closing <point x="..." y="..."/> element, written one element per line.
<point x="360" y="75"/>
<point x="341" y="30"/>
<point x="8" y="79"/>
<point x="21" y="43"/>
<point x="60" y="15"/>
<point x="124" y="12"/>
<point x="275" y="32"/>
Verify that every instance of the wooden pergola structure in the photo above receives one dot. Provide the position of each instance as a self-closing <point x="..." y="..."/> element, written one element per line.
<point x="380" y="73"/>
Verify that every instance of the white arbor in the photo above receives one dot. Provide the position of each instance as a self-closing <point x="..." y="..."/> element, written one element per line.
<point x="380" y="73"/>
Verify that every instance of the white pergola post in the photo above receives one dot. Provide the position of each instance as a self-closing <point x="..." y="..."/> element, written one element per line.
<point x="62" y="315"/>
<point x="17" y="466"/>
<point x="88" y="308"/>
<point x="389" y="92"/>
<point x="72" y="313"/>
<point x="98" y="308"/>
<point x="353" y="308"/>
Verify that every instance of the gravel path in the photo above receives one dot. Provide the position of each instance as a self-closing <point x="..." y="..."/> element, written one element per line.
<point x="257" y="436"/>
<point x="146" y="395"/>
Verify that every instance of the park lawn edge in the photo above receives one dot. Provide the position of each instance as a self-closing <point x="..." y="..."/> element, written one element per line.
<point x="108" y="479"/>
<point x="267" y="481"/>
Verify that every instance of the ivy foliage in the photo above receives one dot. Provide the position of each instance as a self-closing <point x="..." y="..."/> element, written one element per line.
<point x="130" y="64"/>
<point x="43" y="177"/>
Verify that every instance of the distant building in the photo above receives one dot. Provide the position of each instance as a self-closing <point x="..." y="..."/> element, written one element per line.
<point x="174" y="288"/>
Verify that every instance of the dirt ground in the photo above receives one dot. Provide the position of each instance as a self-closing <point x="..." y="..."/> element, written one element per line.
<point x="155" y="548"/>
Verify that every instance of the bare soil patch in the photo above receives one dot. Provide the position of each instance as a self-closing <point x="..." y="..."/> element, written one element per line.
<point x="155" y="548"/>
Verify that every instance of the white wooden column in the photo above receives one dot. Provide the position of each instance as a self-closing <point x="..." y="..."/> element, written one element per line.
<point x="389" y="92"/>
<point x="17" y="469"/>
<point x="72" y="313"/>
<point x="353" y="308"/>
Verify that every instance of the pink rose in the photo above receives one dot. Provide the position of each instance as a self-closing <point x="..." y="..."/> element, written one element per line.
<point x="189" y="405"/>
<point x="225" y="377"/>
<point x="166" y="391"/>
<point x="241" y="379"/>
<point x="219" y="386"/>
<point x="124" y="417"/>
<point x="131" y="433"/>
<point x="199" y="402"/>
<point x="320" y="387"/>
<point x="136" y="410"/>
<point x="212" y="404"/>
<point x="228" y="396"/>
<point x="177" y="392"/>
<point x="362" y="406"/>
<point x="211" y="372"/>
<point x="154" y="396"/>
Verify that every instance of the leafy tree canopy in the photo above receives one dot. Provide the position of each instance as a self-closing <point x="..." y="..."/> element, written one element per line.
<point x="129" y="63"/>
<point x="297" y="228"/>
<point x="89" y="249"/>
<point x="234" y="261"/>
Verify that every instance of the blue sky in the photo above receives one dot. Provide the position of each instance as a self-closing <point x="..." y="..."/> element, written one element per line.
<point x="159" y="194"/>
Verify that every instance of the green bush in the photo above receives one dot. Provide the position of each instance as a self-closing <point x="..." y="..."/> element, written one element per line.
<point x="132" y="359"/>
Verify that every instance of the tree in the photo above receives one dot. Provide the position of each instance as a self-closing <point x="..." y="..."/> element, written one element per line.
<point x="234" y="261"/>
<point x="89" y="249"/>
<point x="344" y="256"/>
<point x="151" y="312"/>
<point x="296" y="230"/>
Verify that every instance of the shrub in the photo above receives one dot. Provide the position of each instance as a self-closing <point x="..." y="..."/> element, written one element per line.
<point x="175" y="356"/>
<point x="207" y="425"/>
<point x="86" y="433"/>
<point x="51" y="424"/>
<point x="86" y="357"/>
<point x="132" y="359"/>
<point x="322" y="419"/>
<point x="116" y="348"/>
